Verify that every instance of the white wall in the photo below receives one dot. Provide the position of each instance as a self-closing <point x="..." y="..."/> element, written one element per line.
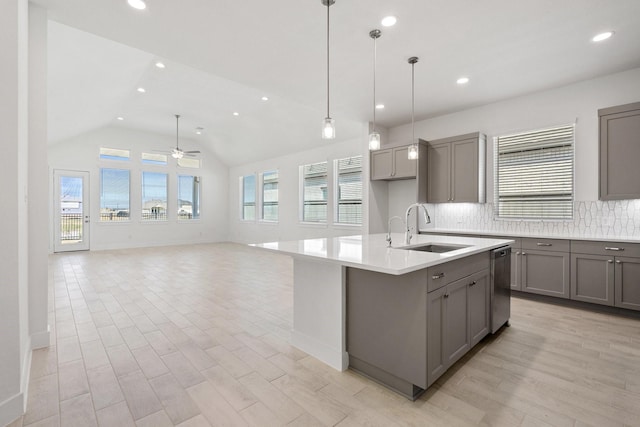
<point x="81" y="153"/>
<point x="289" y="226"/>
<point x="14" y="337"/>
<point x="578" y="103"/>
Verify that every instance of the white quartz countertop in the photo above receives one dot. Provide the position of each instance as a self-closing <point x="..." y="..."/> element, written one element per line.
<point x="498" y="234"/>
<point x="370" y="252"/>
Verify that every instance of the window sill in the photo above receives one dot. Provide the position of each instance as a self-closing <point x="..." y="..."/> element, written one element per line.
<point x="313" y="224"/>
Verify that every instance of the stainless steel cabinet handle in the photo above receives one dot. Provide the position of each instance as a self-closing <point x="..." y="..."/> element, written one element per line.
<point x="607" y="248"/>
<point x="618" y="262"/>
<point x="610" y="261"/>
<point x="524" y="253"/>
<point x="517" y="253"/>
<point x="437" y="276"/>
<point x="472" y="283"/>
<point x="446" y="295"/>
<point x="544" y="244"/>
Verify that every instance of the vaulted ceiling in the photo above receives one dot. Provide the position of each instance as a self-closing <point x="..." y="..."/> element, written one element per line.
<point x="223" y="56"/>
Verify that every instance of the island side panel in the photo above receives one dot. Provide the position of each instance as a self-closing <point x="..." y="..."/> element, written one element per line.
<point x="319" y="311"/>
<point x="386" y="326"/>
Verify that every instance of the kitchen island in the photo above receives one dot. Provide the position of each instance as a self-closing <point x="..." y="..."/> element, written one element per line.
<point x="326" y="269"/>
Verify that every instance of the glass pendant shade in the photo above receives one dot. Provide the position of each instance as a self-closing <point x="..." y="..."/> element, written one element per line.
<point x="328" y="128"/>
<point x="413" y="152"/>
<point x="374" y="141"/>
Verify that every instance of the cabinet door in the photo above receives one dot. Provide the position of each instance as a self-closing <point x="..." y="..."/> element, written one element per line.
<point x="546" y="273"/>
<point x="436" y="362"/>
<point x="479" y="294"/>
<point x="456" y="320"/>
<point x="619" y="152"/>
<point x="464" y="171"/>
<point x="627" y="282"/>
<point x="381" y="164"/>
<point x="439" y="173"/>
<point x="403" y="167"/>
<point x="592" y="278"/>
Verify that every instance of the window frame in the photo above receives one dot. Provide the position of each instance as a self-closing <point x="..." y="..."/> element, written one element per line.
<point x="327" y="199"/>
<point x="255" y="198"/>
<point x="142" y="202"/>
<point x="496" y="170"/>
<point x="337" y="192"/>
<point x="261" y="197"/>
<point x="127" y="218"/>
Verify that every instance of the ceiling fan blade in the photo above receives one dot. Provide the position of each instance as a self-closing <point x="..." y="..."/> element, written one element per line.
<point x="189" y="155"/>
<point x="193" y="151"/>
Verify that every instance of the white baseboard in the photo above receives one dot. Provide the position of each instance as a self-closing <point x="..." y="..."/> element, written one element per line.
<point x="11" y="409"/>
<point x="41" y="339"/>
<point x="335" y="358"/>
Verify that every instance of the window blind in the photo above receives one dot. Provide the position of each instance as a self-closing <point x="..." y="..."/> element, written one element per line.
<point x="314" y="204"/>
<point x="534" y="174"/>
<point x="270" y="196"/>
<point x="350" y="190"/>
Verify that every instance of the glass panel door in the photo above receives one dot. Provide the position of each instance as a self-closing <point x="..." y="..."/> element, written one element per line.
<point x="71" y="210"/>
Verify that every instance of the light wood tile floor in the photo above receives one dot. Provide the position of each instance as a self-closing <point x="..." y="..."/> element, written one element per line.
<point x="199" y="335"/>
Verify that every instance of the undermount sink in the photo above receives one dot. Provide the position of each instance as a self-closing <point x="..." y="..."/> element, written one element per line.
<point x="435" y="248"/>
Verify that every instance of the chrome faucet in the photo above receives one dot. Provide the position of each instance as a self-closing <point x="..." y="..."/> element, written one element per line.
<point x="389" y="229"/>
<point x="427" y="220"/>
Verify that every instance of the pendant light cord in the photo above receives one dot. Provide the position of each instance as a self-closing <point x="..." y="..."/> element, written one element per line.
<point x="375" y="57"/>
<point x="413" y="133"/>
<point x="177" y="140"/>
<point x="328" y="5"/>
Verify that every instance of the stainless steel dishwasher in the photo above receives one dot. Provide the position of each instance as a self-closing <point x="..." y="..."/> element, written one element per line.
<point x="500" y="288"/>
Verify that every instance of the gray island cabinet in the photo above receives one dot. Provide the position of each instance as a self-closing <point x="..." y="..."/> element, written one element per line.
<point x="405" y="331"/>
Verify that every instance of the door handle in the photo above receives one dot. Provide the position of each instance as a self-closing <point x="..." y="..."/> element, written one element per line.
<point x="437" y="276"/>
<point x="610" y="261"/>
<point x="618" y="262"/>
<point x="472" y="283"/>
<point x="446" y="295"/>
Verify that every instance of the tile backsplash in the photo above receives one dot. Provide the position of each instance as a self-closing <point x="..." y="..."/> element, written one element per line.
<point x="620" y="218"/>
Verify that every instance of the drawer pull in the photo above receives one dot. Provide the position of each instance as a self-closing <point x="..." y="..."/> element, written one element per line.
<point x="607" y="248"/>
<point x="544" y="244"/>
<point x="437" y="276"/>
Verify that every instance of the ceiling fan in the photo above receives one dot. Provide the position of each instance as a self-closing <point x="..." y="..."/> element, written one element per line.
<point x="177" y="152"/>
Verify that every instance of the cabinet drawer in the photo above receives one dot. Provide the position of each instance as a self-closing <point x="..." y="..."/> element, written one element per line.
<point x="557" y="245"/>
<point x="440" y="275"/>
<point x="605" y="248"/>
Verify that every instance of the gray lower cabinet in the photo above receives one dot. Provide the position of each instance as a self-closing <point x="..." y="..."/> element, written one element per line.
<point x="619" y="152"/>
<point x="516" y="263"/>
<point x="627" y="282"/>
<point x="592" y="278"/>
<point x="546" y="272"/>
<point x="458" y="318"/>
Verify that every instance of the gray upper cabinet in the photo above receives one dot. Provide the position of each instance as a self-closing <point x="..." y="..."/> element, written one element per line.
<point x="619" y="152"/>
<point x="391" y="163"/>
<point x="456" y="170"/>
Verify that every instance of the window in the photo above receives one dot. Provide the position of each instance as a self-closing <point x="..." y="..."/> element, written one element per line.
<point x="114" y="195"/>
<point x="270" y="196"/>
<point x="534" y="174"/>
<point x="114" y="154"/>
<point x="154" y="196"/>
<point x="154" y="159"/>
<point x="349" y="185"/>
<point x="188" y="197"/>
<point x="248" y="197"/>
<point x="189" y="163"/>
<point x="314" y="192"/>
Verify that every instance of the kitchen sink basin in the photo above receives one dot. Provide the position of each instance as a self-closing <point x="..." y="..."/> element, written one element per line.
<point x="435" y="248"/>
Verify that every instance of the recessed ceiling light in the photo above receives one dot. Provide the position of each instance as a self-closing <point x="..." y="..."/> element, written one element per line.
<point x="199" y="130"/>
<point x="380" y="106"/>
<point x="160" y="64"/>
<point x="463" y="80"/>
<point x="264" y="98"/>
<point x="137" y="4"/>
<point x="120" y="118"/>
<point x="141" y="90"/>
<point x="235" y="113"/>
<point x="389" y="21"/>
<point x="602" y="36"/>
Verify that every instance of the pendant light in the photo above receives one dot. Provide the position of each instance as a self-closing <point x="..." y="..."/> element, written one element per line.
<point x="374" y="136"/>
<point x="328" y="124"/>
<point x="412" y="153"/>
